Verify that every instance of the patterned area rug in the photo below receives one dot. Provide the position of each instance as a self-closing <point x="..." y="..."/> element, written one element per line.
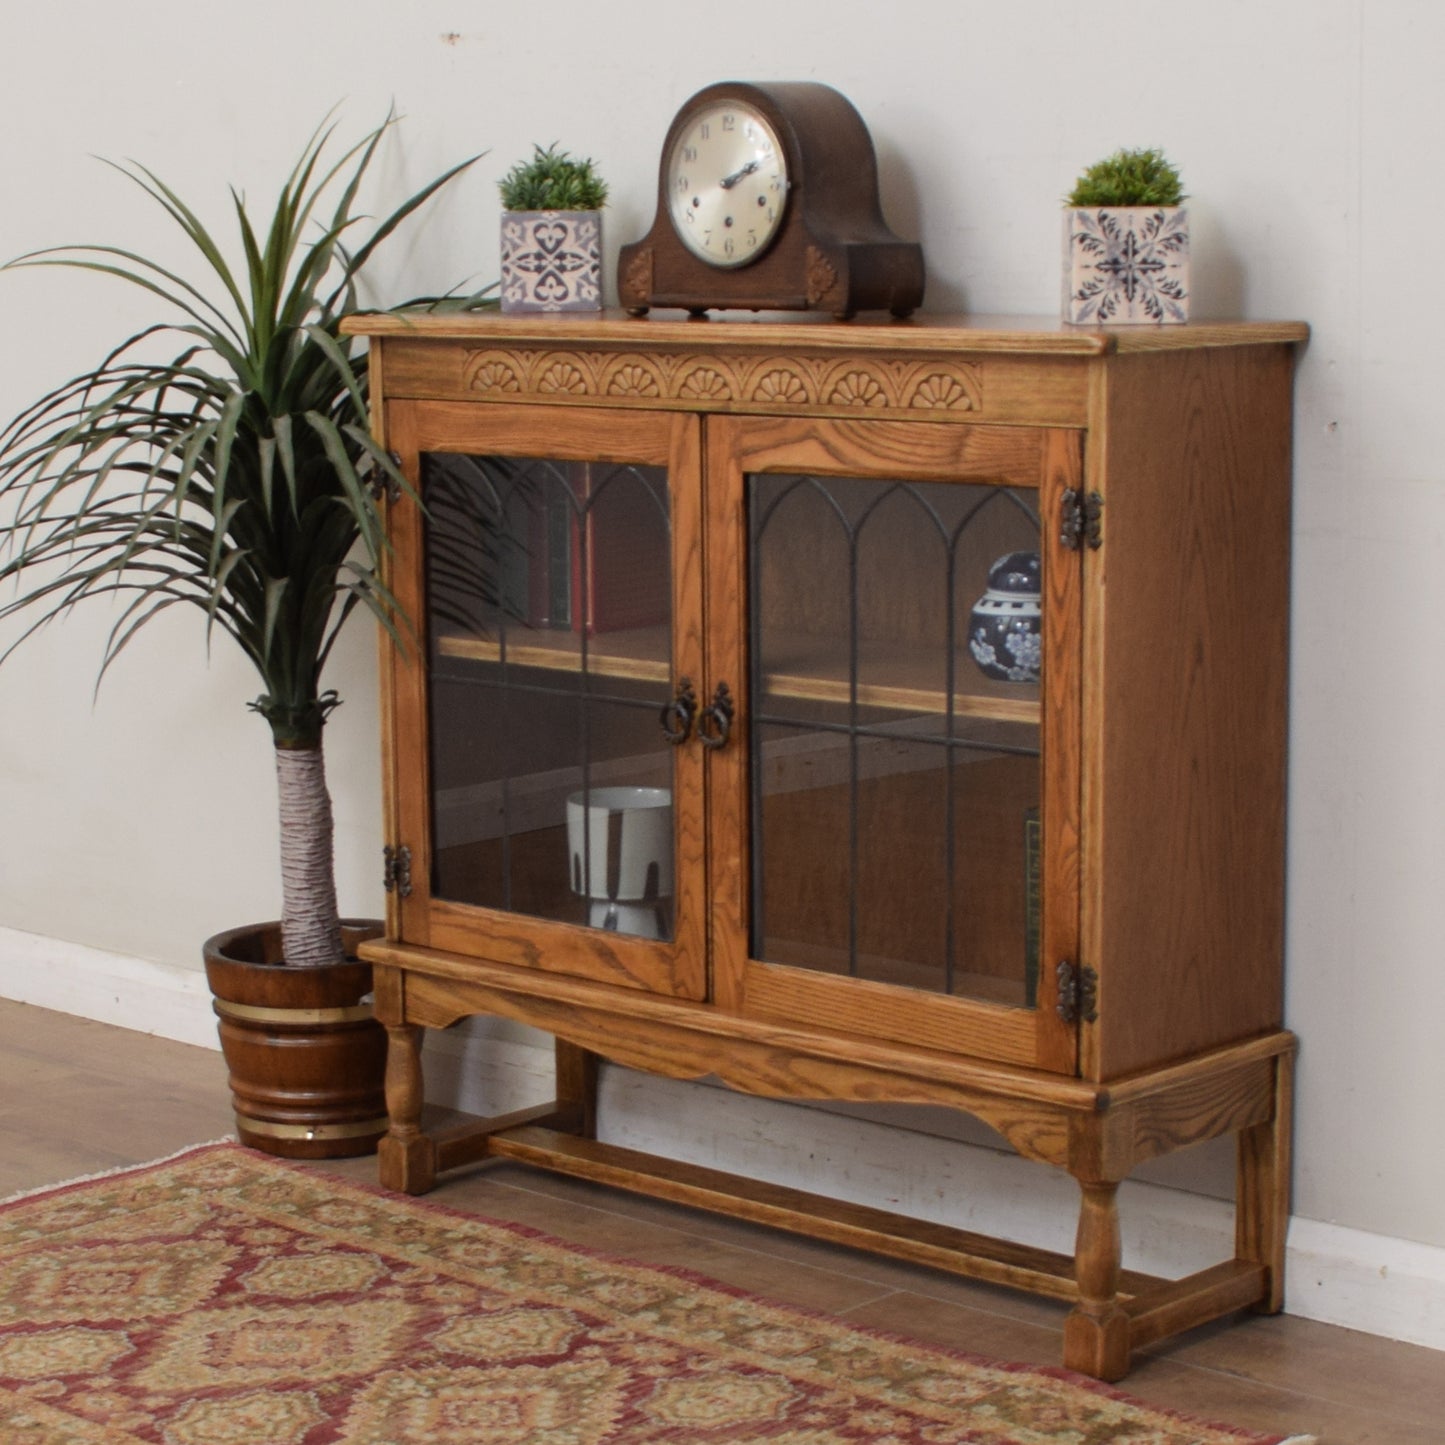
<point x="224" y="1298"/>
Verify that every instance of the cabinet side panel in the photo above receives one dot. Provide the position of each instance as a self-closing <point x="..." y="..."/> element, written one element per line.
<point x="1187" y="637"/>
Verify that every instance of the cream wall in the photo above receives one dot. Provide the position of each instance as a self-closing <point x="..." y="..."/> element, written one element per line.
<point x="1308" y="131"/>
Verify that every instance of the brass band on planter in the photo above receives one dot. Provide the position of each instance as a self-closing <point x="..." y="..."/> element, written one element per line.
<point x="255" y="1013"/>
<point x="272" y="1130"/>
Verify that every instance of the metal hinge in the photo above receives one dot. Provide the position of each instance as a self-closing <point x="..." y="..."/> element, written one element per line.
<point x="396" y="870"/>
<point x="1078" y="992"/>
<point x="1082" y="520"/>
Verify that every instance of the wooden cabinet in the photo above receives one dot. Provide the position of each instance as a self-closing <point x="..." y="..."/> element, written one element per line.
<point x="866" y="712"/>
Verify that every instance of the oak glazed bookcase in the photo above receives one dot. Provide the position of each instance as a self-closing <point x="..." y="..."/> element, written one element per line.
<point x="703" y="758"/>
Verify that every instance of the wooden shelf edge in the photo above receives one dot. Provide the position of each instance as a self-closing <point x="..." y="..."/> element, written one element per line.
<point x="807" y="331"/>
<point x="924" y="332"/>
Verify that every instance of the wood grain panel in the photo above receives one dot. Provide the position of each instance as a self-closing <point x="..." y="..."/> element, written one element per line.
<point x="1008" y="456"/>
<point x="541" y="432"/>
<point x="903" y="1015"/>
<point x="1220" y="1103"/>
<point x="459" y="982"/>
<point x="1186" y="614"/>
<point x="729" y="829"/>
<point x="1058" y="1037"/>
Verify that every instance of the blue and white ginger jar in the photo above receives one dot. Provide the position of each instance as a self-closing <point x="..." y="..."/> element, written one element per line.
<point x="1005" y="628"/>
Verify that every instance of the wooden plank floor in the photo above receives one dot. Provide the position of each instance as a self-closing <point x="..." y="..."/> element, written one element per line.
<point x="77" y="1097"/>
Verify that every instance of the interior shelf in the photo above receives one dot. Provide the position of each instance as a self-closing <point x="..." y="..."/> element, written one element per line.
<point x="897" y="677"/>
<point x="639" y="654"/>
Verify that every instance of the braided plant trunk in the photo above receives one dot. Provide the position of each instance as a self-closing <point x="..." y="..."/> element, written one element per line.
<point x="310" y="926"/>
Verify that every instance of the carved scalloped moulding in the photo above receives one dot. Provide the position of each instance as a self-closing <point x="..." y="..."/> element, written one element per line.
<point x="821" y="276"/>
<point x="933" y="385"/>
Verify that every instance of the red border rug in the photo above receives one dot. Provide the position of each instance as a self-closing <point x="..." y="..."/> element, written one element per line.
<point x="225" y="1298"/>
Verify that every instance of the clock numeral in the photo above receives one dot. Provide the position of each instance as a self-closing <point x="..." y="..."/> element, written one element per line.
<point x="684" y="184"/>
<point x="689" y="154"/>
<point x="688" y="217"/>
<point x="729" y="122"/>
<point x="728" y="247"/>
<point x="704" y="131"/>
<point x="752" y="239"/>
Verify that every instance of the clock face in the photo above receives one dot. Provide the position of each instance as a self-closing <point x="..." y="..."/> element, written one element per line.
<point x="727" y="184"/>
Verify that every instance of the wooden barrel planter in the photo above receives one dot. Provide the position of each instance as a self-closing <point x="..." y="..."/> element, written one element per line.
<point x="307" y="1059"/>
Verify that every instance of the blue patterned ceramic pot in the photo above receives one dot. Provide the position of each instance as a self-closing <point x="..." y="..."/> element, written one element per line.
<point x="1005" y="628"/>
<point x="1126" y="263"/>
<point x="551" y="261"/>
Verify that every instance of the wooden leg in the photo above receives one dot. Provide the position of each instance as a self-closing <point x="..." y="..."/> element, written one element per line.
<point x="1262" y="1187"/>
<point x="407" y="1157"/>
<point x="1096" y="1332"/>
<point x="577" y="1070"/>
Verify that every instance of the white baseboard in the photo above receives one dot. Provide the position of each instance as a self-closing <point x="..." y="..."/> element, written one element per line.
<point x="1336" y="1275"/>
<point x="132" y="993"/>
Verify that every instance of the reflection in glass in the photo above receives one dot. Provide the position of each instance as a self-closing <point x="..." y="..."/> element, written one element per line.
<point x="620" y="840"/>
<point x="549" y="639"/>
<point x="896" y="784"/>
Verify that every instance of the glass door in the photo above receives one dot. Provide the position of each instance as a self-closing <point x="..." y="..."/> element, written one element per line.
<point x="909" y="674"/>
<point x="556" y="579"/>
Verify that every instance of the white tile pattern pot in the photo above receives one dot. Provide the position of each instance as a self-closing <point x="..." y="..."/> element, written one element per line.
<point x="1126" y="264"/>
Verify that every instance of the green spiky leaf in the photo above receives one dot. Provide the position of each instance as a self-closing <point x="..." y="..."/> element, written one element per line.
<point x="229" y="477"/>
<point x="553" y="181"/>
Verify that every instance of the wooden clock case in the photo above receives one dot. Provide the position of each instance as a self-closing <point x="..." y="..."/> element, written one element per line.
<point x="834" y="252"/>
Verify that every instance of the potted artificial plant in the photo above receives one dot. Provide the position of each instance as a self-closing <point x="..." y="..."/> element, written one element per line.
<point x="1126" y="242"/>
<point x="233" y="476"/>
<point x="552" y="233"/>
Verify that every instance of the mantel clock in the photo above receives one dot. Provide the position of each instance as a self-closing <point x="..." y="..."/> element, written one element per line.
<point x="767" y="200"/>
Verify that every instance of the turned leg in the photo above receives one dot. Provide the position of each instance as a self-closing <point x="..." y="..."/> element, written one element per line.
<point x="407" y="1157"/>
<point x="1096" y="1332"/>
<point x="577" y="1070"/>
<point x="1262" y="1188"/>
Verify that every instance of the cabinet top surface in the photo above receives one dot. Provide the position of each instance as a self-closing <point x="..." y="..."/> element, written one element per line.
<point x="814" y="331"/>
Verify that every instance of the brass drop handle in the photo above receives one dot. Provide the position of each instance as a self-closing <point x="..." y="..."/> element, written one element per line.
<point x="677" y="716"/>
<point x="715" y="723"/>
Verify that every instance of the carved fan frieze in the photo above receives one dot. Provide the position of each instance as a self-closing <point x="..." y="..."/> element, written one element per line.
<point x="940" y="385"/>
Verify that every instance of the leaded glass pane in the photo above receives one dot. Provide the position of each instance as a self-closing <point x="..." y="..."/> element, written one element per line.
<point x="895" y="650"/>
<point x="549" y="637"/>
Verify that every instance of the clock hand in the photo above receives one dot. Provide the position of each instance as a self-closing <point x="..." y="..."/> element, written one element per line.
<point x="728" y="182"/>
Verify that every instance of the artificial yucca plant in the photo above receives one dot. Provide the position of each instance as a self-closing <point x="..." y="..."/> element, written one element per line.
<point x="552" y="180"/>
<point x="233" y="476"/>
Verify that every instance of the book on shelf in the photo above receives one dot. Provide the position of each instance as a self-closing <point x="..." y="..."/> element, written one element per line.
<point x="596" y="557"/>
